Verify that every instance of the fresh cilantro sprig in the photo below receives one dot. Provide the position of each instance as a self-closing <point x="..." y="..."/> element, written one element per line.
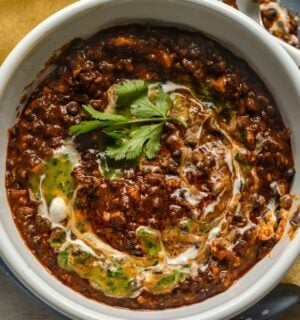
<point x="130" y="90"/>
<point x="135" y="134"/>
<point x="145" y="138"/>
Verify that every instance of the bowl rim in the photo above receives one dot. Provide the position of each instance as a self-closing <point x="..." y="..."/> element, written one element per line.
<point x="36" y="284"/>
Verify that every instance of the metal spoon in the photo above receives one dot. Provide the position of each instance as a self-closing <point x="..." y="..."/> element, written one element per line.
<point x="251" y="9"/>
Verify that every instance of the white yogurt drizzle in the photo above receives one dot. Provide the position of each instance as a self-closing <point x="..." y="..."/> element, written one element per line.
<point x="69" y="149"/>
<point x="59" y="209"/>
<point x="190" y="254"/>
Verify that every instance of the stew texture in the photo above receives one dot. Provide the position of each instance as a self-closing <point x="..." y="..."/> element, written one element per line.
<point x="277" y="19"/>
<point x="162" y="229"/>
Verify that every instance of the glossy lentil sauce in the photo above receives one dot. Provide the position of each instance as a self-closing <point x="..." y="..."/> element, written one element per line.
<point x="277" y="19"/>
<point x="160" y="233"/>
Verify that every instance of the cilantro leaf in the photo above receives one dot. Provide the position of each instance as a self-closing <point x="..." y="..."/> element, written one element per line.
<point x="132" y="147"/>
<point x="144" y="108"/>
<point x="136" y="134"/>
<point x="180" y="121"/>
<point x="130" y="90"/>
<point x="103" y="116"/>
<point x="153" y="144"/>
<point x="163" y="101"/>
<point x="114" y="133"/>
<point x="86" y="126"/>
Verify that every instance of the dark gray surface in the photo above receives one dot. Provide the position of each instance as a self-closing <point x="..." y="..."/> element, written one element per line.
<point x="293" y="5"/>
<point x="16" y="304"/>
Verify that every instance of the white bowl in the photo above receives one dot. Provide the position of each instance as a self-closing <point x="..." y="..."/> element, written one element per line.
<point x="246" y="39"/>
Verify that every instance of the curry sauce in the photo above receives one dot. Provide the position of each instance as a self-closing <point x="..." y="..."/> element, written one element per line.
<point x="151" y="232"/>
